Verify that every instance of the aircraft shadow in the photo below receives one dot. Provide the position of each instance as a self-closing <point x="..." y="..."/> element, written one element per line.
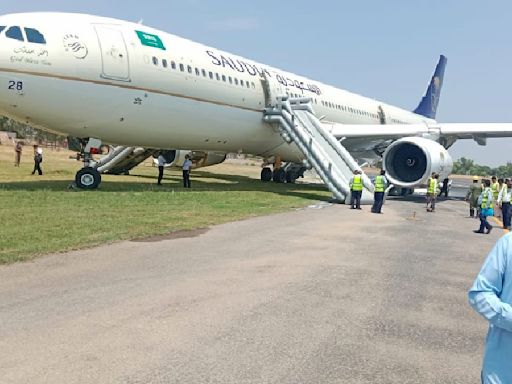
<point x="201" y="182"/>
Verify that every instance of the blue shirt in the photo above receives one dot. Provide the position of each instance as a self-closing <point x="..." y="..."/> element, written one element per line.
<point x="491" y="296"/>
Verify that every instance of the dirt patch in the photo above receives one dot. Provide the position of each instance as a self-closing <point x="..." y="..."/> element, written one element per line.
<point x="183" y="234"/>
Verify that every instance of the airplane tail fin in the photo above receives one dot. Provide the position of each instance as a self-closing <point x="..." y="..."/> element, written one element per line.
<point x="429" y="102"/>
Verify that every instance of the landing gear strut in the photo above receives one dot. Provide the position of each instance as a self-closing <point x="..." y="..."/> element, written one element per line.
<point x="88" y="177"/>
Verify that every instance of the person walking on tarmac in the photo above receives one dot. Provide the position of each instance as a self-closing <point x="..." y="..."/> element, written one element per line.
<point x="356" y="188"/>
<point x="486" y="202"/>
<point x="504" y="199"/>
<point x="380" y="185"/>
<point x="432" y="191"/>
<point x="474" y="192"/>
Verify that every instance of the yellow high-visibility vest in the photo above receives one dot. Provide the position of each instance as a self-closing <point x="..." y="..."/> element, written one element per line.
<point x="495" y="190"/>
<point x="379" y="184"/>
<point x="484" y="198"/>
<point x="357" y="184"/>
<point x="432" y="186"/>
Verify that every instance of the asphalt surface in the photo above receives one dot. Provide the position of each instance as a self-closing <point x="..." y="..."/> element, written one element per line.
<point x="319" y="295"/>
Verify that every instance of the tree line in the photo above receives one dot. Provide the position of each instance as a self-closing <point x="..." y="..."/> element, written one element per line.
<point x="24" y="131"/>
<point x="465" y="166"/>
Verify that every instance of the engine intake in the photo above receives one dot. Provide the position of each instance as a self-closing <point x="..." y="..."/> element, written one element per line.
<point x="411" y="160"/>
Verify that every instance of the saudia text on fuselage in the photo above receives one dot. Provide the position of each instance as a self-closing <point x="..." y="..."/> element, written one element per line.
<point x="253" y="70"/>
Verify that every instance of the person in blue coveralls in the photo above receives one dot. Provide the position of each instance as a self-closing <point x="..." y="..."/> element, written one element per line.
<point x="491" y="296"/>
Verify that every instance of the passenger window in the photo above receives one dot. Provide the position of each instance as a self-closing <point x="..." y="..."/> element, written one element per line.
<point x="189" y="69"/>
<point x="34" y="36"/>
<point x="253" y="85"/>
<point x="210" y="74"/>
<point x="173" y="65"/>
<point x="230" y="80"/>
<point x="2" y="27"/>
<point x="14" y="33"/>
<point x="224" y="78"/>
<point x="155" y="60"/>
<point x="242" y="83"/>
<point x="236" y="81"/>
<point x="248" y="85"/>
<point x="197" y="72"/>
<point x="182" y="68"/>
<point x="217" y="76"/>
<point x="203" y="72"/>
<point x="164" y="63"/>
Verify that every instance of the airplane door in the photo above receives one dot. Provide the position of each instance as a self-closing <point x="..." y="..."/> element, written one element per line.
<point x="114" y="54"/>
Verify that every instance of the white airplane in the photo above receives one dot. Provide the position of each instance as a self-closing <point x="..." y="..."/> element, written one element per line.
<point x="105" y="80"/>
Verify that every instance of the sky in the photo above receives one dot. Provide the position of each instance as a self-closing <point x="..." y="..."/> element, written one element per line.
<point x="386" y="50"/>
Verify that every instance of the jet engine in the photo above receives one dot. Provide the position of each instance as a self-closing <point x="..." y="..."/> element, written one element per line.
<point x="176" y="158"/>
<point x="410" y="161"/>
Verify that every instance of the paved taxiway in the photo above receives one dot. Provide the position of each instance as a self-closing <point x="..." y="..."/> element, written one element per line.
<point x="320" y="295"/>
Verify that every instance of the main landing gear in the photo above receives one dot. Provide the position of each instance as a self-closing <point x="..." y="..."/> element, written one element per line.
<point x="88" y="177"/>
<point x="288" y="173"/>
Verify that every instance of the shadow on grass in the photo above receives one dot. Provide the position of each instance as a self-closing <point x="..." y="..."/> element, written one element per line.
<point x="201" y="182"/>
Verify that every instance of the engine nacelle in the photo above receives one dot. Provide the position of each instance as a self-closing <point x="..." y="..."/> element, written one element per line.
<point x="410" y="161"/>
<point x="176" y="158"/>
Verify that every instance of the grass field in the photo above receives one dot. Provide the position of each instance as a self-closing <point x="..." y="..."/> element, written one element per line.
<point x="39" y="214"/>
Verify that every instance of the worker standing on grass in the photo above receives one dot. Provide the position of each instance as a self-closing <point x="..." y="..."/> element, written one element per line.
<point x="161" y="163"/>
<point x="485" y="200"/>
<point x="380" y="185"/>
<point x="474" y="192"/>
<point x="504" y="199"/>
<point x="491" y="296"/>
<point x="186" y="172"/>
<point x="356" y="189"/>
<point x="432" y="191"/>
<point x="38" y="159"/>
<point x="18" y="150"/>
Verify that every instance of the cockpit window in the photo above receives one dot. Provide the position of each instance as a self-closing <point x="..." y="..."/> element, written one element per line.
<point x="2" y="27"/>
<point x="34" y="36"/>
<point x="14" y="33"/>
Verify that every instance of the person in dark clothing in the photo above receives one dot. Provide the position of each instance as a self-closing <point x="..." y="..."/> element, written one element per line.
<point x="444" y="188"/>
<point x="38" y="159"/>
<point x="161" y="164"/>
<point x="186" y="172"/>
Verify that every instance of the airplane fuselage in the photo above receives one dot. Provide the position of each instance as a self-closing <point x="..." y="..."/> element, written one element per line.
<point x="129" y="84"/>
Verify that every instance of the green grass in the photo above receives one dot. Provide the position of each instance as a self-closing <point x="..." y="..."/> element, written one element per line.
<point x="40" y="215"/>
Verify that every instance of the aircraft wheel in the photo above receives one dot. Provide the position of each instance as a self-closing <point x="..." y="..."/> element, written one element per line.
<point x="266" y="174"/>
<point x="88" y="178"/>
<point x="291" y="176"/>
<point x="279" y="175"/>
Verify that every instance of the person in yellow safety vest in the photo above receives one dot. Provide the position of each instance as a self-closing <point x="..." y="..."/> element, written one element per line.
<point x="380" y="185"/>
<point x="495" y="195"/>
<point x="432" y="192"/>
<point x="486" y="202"/>
<point x="356" y="189"/>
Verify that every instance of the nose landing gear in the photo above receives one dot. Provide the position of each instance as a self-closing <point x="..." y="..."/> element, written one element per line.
<point x="88" y="177"/>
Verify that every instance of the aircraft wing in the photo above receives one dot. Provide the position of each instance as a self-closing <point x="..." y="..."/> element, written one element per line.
<point x="477" y="131"/>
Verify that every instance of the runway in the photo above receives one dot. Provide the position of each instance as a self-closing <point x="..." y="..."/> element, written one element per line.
<point x="318" y="295"/>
